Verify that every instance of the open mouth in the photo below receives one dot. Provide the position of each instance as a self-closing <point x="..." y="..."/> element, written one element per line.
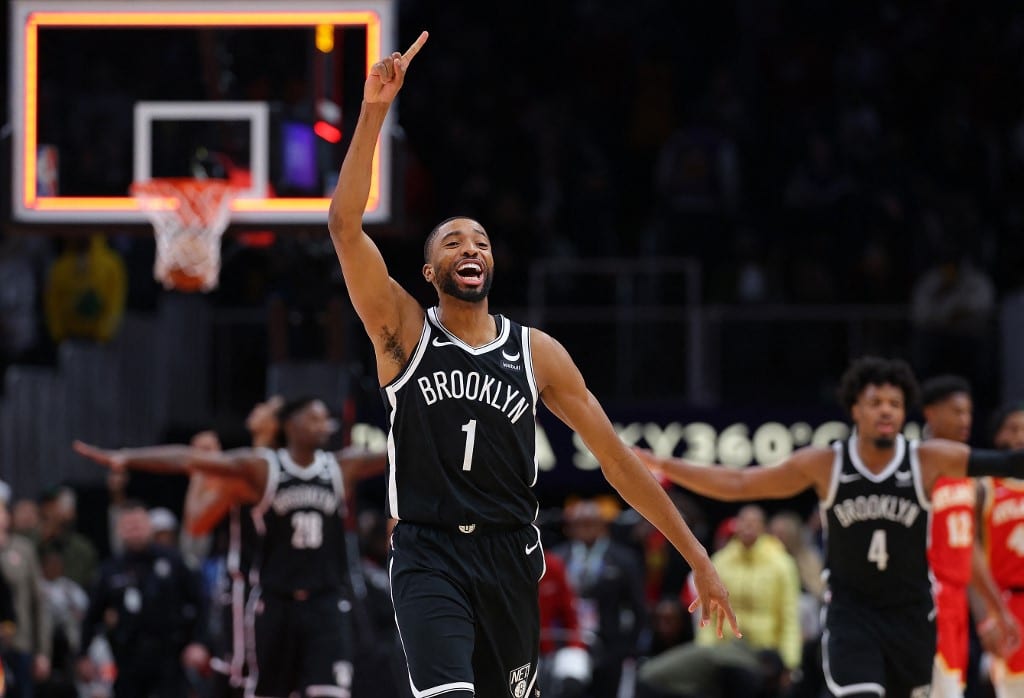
<point x="470" y="272"/>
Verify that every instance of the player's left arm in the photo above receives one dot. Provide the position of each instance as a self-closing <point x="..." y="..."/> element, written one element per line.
<point x="954" y="459"/>
<point x="997" y="626"/>
<point x="564" y="392"/>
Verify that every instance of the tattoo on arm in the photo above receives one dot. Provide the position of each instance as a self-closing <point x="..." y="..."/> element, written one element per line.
<point x="393" y="346"/>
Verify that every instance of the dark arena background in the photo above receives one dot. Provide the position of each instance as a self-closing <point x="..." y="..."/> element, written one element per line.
<point x="715" y="207"/>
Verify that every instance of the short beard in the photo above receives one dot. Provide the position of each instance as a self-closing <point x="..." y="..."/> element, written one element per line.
<point x="471" y="295"/>
<point x="884" y="443"/>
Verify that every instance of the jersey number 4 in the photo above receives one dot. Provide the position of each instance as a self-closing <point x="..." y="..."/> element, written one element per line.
<point x="878" y="551"/>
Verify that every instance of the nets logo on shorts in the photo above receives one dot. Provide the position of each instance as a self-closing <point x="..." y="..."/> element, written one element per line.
<point x="921" y="691"/>
<point x="517" y="679"/>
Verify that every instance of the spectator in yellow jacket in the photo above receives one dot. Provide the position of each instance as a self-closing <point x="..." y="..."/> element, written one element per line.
<point x="85" y="291"/>
<point x="764" y="589"/>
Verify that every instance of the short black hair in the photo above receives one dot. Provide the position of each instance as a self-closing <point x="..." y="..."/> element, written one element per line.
<point x="290" y="408"/>
<point x="875" y="370"/>
<point x="132" y="504"/>
<point x="995" y="422"/>
<point x="433" y="234"/>
<point x="938" y="388"/>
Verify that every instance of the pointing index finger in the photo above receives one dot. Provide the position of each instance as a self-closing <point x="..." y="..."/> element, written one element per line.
<point x="415" y="48"/>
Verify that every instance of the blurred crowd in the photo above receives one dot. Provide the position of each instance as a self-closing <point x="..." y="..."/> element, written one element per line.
<point x="864" y="154"/>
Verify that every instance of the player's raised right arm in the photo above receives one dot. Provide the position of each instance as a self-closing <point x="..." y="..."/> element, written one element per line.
<point x="380" y="302"/>
<point x="808" y="467"/>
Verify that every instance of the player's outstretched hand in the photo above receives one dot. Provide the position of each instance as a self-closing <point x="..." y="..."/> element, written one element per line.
<point x="713" y="601"/>
<point x="111" y="459"/>
<point x="1011" y="635"/>
<point x="387" y="75"/>
<point x="1000" y="634"/>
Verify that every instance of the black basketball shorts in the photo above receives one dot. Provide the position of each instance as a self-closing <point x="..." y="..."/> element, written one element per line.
<point x="885" y="652"/>
<point x="466" y="607"/>
<point x="302" y="646"/>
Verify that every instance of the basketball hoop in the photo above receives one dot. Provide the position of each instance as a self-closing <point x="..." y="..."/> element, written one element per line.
<point x="188" y="216"/>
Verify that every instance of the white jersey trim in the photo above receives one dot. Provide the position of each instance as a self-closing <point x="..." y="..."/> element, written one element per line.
<point x="417" y="355"/>
<point x="498" y="341"/>
<point x="890" y="467"/>
<point x="833" y="485"/>
<point x="840" y="691"/>
<point x="532" y="380"/>
<point x="304" y="473"/>
<point x="435" y="690"/>
<point x="915" y="468"/>
<point x="273" y="479"/>
<point x="544" y="569"/>
<point x="391" y="390"/>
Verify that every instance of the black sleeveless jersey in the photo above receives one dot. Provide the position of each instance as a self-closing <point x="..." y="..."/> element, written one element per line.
<point x="301" y="524"/>
<point x="462" y="430"/>
<point x="877" y="529"/>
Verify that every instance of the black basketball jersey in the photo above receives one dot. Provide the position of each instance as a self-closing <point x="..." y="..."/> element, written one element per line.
<point x="462" y="430"/>
<point x="877" y="529"/>
<point x="301" y="524"/>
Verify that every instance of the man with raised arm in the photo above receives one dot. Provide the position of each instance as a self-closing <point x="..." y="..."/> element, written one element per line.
<point x="874" y="491"/>
<point x="460" y="388"/>
<point x="302" y="638"/>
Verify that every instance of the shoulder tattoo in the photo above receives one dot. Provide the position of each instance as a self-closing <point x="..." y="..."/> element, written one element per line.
<point x="393" y="346"/>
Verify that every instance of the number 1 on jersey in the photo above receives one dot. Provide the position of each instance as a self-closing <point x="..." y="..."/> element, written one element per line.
<point x="878" y="552"/>
<point x="470" y="429"/>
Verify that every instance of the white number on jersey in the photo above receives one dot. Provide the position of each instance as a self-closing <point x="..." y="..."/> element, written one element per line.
<point x="470" y="429"/>
<point x="1015" y="541"/>
<point x="961" y="529"/>
<point x="307" y="530"/>
<point x="877" y="550"/>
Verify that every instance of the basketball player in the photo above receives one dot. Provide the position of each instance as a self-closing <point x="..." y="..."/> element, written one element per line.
<point x="1002" y="527"/>
<point x="208" y="501"/>
<point x="461" y="387"/>
<point x="879" y="637"/>
<point x="301" y="627"/>
<point x="955" y="557"/>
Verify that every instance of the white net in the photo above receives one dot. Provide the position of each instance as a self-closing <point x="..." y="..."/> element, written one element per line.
<point x="188" y="216"/>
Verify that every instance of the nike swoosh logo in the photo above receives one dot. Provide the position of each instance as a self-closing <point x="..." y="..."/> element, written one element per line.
<point x="510" y="357"/>
<point x="531" y="548"/>
<point x="849" y="477"/>
<point x="438" y="343"/>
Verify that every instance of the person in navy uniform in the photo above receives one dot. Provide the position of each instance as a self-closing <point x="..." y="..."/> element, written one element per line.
<point x="299" y="605"/>
<point x="874" y="489"/>
<point x="460" y="388"/>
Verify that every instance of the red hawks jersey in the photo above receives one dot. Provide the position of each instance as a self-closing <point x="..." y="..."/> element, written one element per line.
<point x="952" y="533"/>
<point x="1004" y="531"/>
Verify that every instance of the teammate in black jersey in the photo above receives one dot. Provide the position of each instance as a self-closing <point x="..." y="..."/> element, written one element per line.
<point x="461" y="388"/>
<point x="874" y="491"/>
<point x="301" y="616"/>
<point x="209" y="501"/>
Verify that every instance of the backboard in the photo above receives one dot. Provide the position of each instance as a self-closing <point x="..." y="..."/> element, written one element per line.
<point x="109" y="92"/>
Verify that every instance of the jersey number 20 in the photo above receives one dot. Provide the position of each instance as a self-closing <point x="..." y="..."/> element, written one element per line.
<point x="307" y="530"/>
